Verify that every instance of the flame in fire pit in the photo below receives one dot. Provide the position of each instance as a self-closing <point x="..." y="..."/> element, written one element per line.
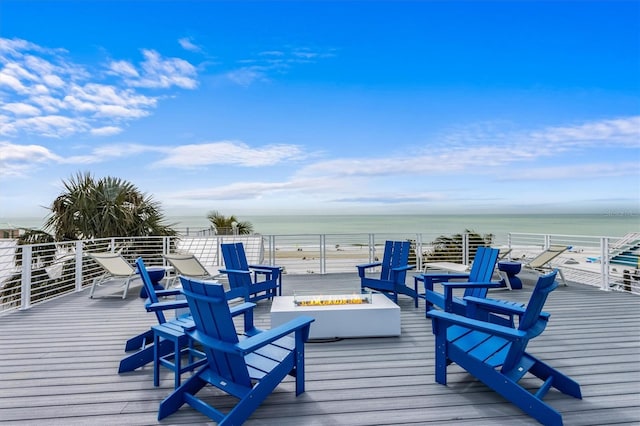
<point x="355" y="299"/>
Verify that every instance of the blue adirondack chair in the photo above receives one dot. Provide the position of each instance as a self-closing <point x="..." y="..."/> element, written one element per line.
<point x="245" y="277"/>
<point x="477" y="284"/>
<point x="496" y="354"/>
<point x="394" y="267"/>
<point x="249" y="368"/>
<point x="142" y="343"/>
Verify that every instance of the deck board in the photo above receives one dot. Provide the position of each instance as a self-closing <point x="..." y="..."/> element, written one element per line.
<point x="60" y="359"/>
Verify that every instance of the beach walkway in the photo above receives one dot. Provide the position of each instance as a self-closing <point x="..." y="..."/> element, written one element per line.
<point x="59" y="360"/>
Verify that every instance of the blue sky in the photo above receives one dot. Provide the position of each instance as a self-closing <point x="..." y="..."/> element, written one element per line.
<point x="324" y="107"/>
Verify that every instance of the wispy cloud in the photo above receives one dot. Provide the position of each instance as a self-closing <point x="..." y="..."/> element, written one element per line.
<point x="478" y="151"/>
<point x="158" y="72"/>
<point x="466" y="153"/>
<point x="267" y="63"/>
<point x="235" y="191"/>
<point x="602" y="170"/>
<point x="187" y="44"/>
<point x="229" y="153"/>
<point x="44" y="93"/>
<point x="19" y="160"/>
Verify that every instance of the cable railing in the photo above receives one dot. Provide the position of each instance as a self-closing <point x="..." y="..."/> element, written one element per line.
<point x="31" y="274"/>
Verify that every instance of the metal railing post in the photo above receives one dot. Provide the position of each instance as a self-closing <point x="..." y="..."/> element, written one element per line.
<point x="323" y="253"/>
<point x="272" y="249"/>
<point x="465" y="248"/>
<point x="25" y="289"/>
<point x="604" y="263"/>
<point x="79" y="268"/>
<point x="418" y="252"/>
<point x="372" y="248"/>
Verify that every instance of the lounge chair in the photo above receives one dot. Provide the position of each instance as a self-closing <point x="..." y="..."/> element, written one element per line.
<point x="393" y="272"/>
<point x="496" y="354"/>
<point x="541" y="263"/>
<point x="187" y="265"/>
<point x="116" y="268"/>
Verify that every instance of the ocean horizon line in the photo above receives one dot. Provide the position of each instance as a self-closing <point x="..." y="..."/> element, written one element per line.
<point x="595" y="224"/>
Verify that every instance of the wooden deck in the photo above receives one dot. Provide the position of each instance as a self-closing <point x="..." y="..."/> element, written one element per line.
<point x="59" y="360"/>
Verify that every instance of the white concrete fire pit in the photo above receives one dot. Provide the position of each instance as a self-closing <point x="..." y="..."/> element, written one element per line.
<point x="375" y="318"/>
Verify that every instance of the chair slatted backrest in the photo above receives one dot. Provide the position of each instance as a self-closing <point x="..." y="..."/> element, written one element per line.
<point x="186" y="264"/>
<point x="546" y="256"/>
<point x="482" y="269"/>
<point x="148" y="286"/>
<point x="235" y="258"/>
<point x="532" y="323"/>
<point x="396" y="254"/>
<point x="211" y="314"/>
<point x="113" y="263"/>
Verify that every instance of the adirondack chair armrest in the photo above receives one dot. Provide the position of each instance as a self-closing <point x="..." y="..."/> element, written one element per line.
<point x="489" y="284"/>
<point x="270" y="272"/>
<point x="452" y="319"/>
<point x="265" y="269"/>
<point x="446" y="276"/>
<point x="369" y="265"/>
<point x="234" y="271"/>
<point x="269" y="336"/>
<point x="169" y="292"/>
<point x="361" y="268"/>
<point x="241" y="308"/>
<point x="430" y="279"/>
<point x="475" y="304"/>
<point x="212" y="343"/>
<point x="403" y="268"/>
<point x="449" y="286"/>
<point x="166" y="305"/>
<point x="494" y="305"/>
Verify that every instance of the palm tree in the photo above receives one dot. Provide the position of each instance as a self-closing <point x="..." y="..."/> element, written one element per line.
<point x="89" y="208"/>
<point x="106" y="207"/>
<point x="224" y="225"/>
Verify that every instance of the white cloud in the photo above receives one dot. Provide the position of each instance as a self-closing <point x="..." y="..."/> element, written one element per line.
<point x="159" y="72"/>
<point x="234" y="191"/>
<point x="578" y="171"/>
<point x="267" y="62"/>
<point x="230" y="153"/>
<point x="19" y="160"/>
<point x="187" y="44"/>
<point x="480" y="151"/>
<point x="619" y="131"/>
<point x="54" y="126"/>
<point x="9" y="80"/>
<point x="106" y="131"/>
<point x="245" y="77"/>
<point x="124" y="69"/>
<point x="63" y="98"/>
<point x="20" y="108"/>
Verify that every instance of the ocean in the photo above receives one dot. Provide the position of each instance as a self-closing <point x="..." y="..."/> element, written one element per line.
<point x="609" y="225"/>
<point x="613" y="225"/>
